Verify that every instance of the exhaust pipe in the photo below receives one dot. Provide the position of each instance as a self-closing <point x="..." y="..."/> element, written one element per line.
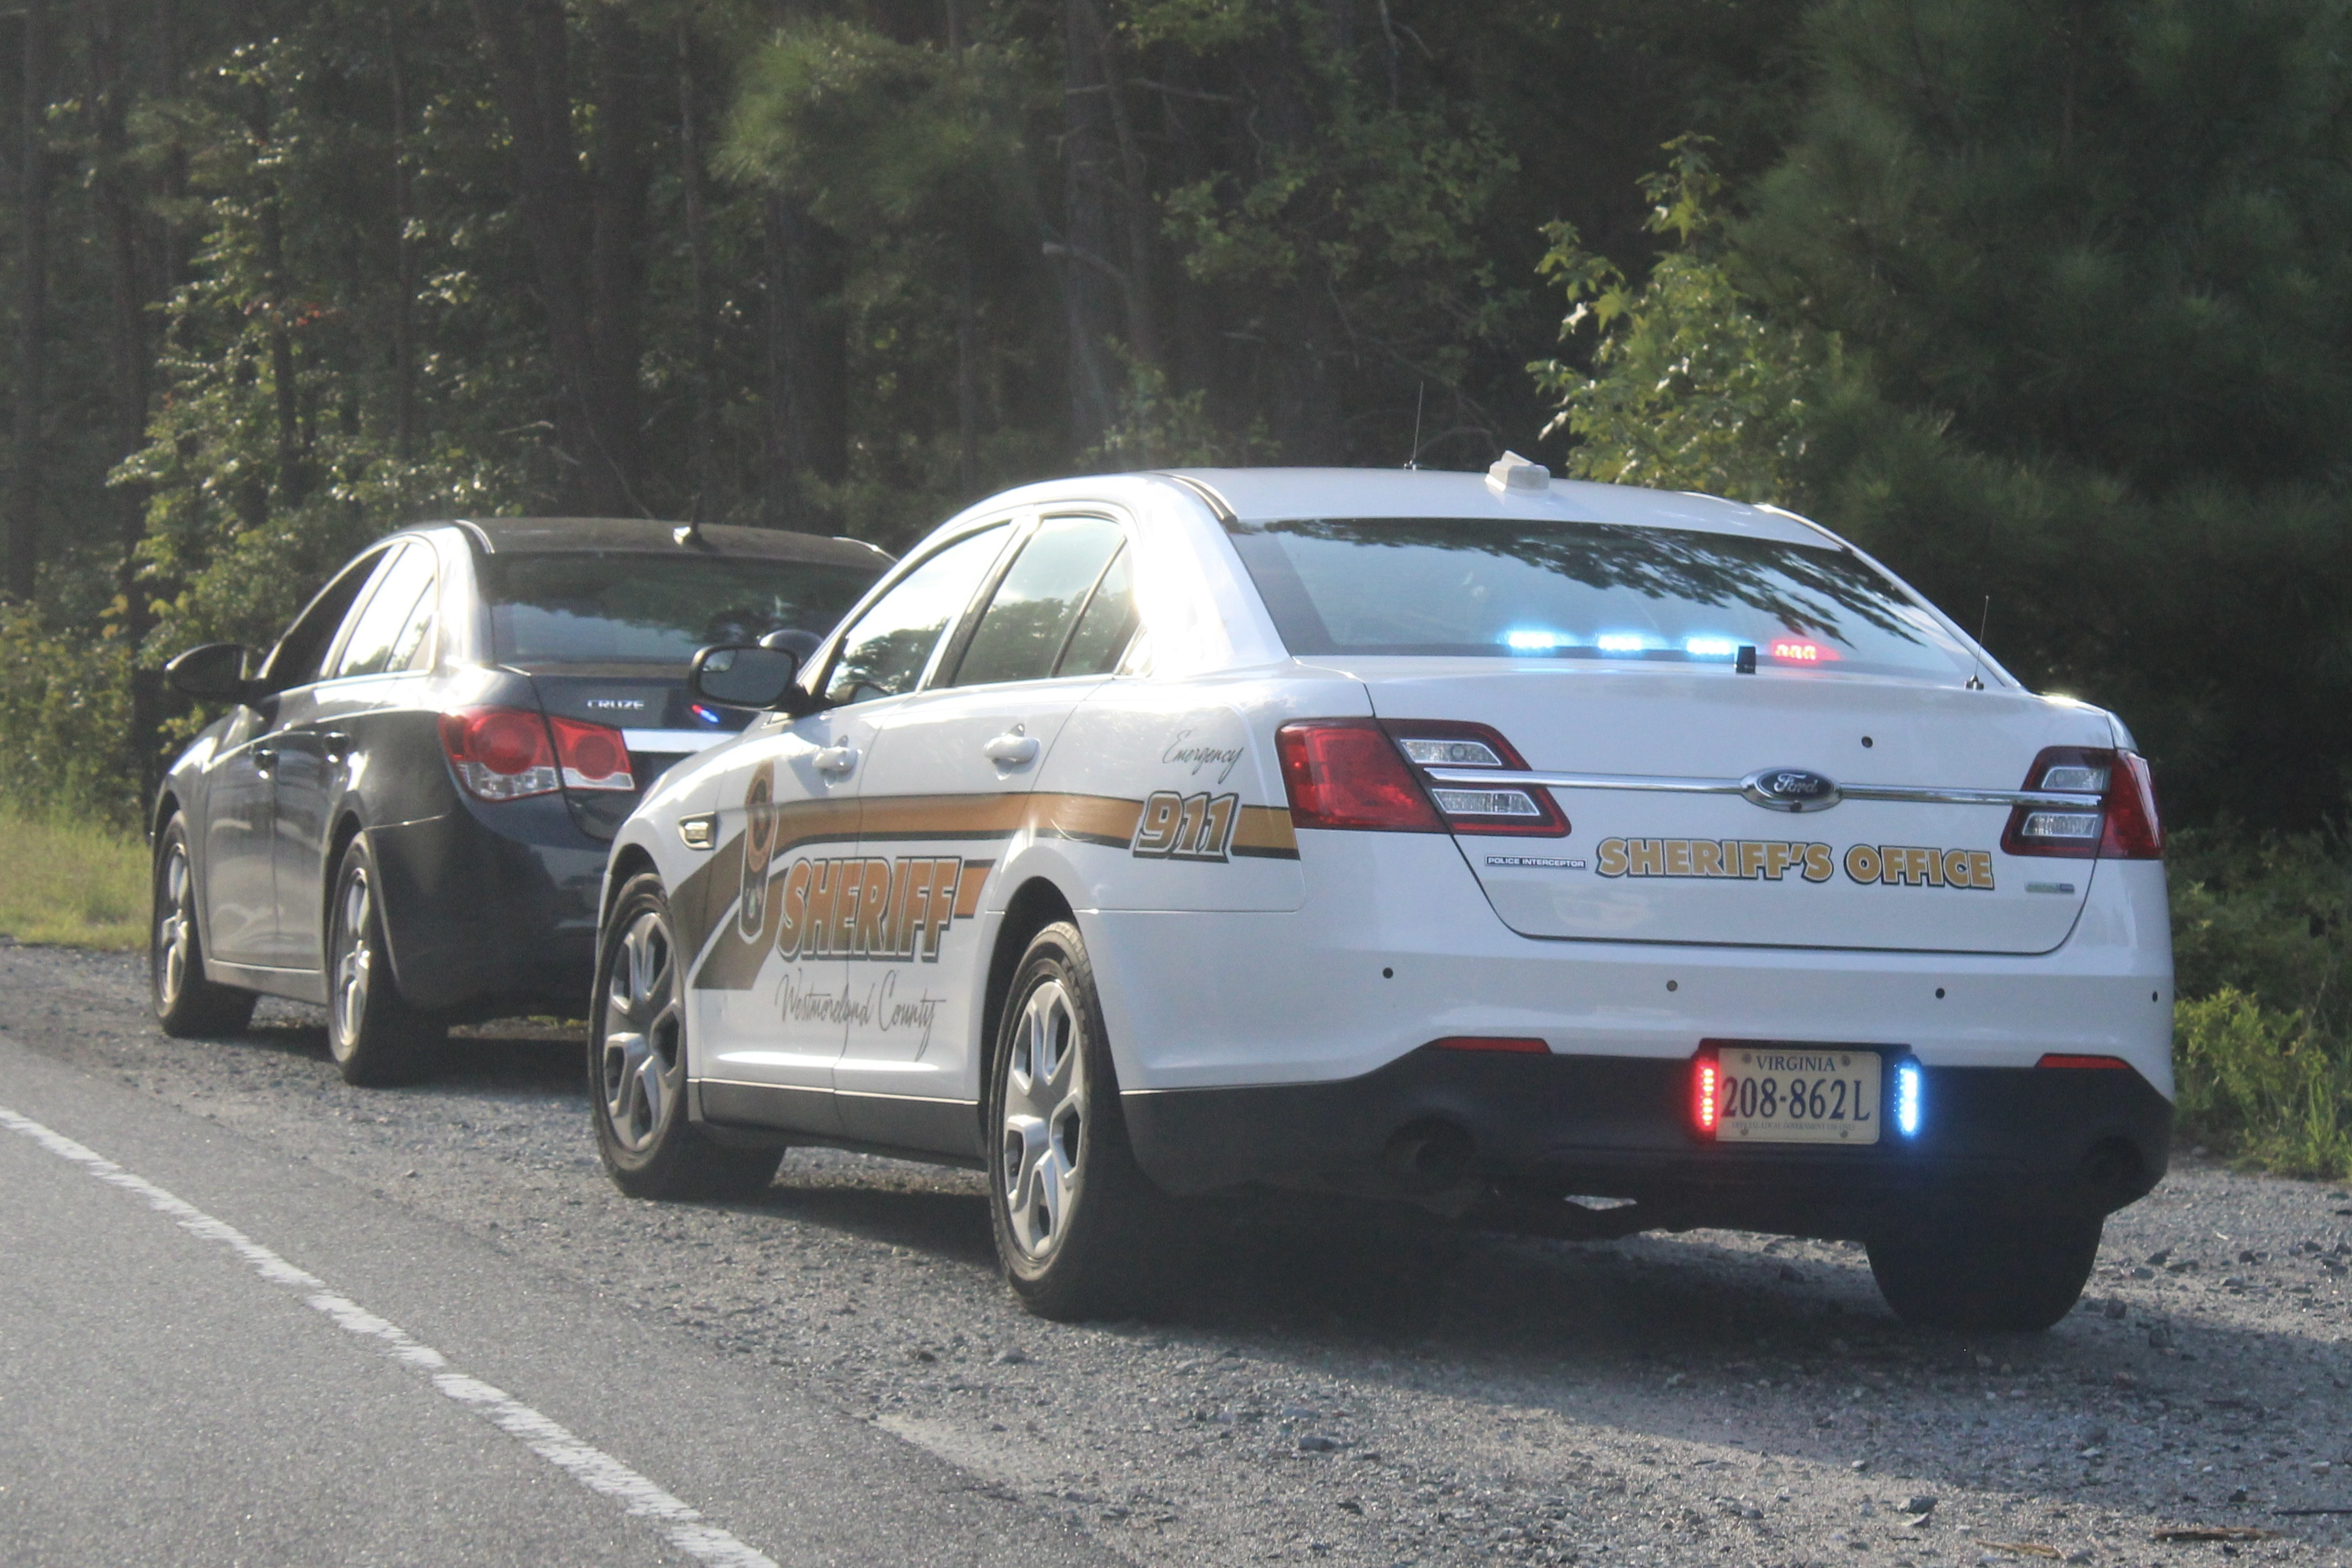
<point x="1427" y="1157"/>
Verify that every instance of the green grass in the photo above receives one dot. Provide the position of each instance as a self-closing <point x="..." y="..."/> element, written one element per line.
<point x="73" y="885"/>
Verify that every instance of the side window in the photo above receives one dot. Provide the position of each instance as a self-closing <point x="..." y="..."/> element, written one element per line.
<point x="402" y="594"/>
<point x="883" y="654"/>
<point x="299" y="655"/>
<point x="1108" y="625"/>
<point x="1030" y="615"/>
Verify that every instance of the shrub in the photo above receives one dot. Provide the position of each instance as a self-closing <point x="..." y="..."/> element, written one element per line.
<point x="2264" y="1084"/>
<point x="2262" y="1033"/>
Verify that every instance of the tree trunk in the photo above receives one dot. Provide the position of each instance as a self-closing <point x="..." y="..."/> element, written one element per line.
<point x="127" y="239"/>
<point x="966" y="375"/>
<point x="403" y="248"/>
<point x="966" y="325"/>
<point x="278" y="288"/>
<point x="698" y="246"/>
<point x="23" y="564"/>
<point x="1089" y="277"/>
<point x="584" y="228"/>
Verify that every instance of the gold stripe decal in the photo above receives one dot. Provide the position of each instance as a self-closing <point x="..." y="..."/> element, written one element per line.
<point x="760" y="889"/>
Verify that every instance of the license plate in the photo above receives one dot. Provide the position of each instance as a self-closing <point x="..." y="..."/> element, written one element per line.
<point x="1789" y="1094"/>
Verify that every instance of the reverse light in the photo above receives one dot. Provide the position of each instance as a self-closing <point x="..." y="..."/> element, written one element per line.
<point x="2123" y="826"/>
<point x="1908" y="1098"/>
<point x="1346" y="772"/>
<point x="1477" y="808"/>
<point x="1509" y="1045"/>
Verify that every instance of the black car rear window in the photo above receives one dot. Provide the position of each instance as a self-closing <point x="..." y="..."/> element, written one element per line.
<point x="620" y="606"/>
<point x="1505" y="589"/>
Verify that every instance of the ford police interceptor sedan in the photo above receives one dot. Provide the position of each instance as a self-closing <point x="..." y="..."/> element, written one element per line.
<point x="1512" y="848"/>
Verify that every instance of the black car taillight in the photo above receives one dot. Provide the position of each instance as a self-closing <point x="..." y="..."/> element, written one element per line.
<point x="509" y="754"/>
<point x="2122" y="825"/>
<point x="1506" y="808"/>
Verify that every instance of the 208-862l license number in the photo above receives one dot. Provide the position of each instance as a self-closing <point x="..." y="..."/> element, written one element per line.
<point x="1783" y="1094"/>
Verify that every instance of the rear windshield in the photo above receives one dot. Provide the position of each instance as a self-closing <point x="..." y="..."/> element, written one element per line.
<point x="622" y="607"/>
<point x="1603" y="592"/>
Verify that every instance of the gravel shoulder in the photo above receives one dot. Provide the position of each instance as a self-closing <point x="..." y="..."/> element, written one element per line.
<point x="1332" y="1390"/>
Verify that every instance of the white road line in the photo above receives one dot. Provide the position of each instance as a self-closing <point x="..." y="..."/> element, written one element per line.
<point x="586" y="1463"/>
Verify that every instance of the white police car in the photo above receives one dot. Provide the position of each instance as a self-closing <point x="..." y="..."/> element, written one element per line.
<point x="1491" y="843"/>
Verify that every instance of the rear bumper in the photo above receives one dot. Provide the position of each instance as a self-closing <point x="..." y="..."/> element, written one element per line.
<point x="490" y="911"/>
<point x="1439" y="1126"/>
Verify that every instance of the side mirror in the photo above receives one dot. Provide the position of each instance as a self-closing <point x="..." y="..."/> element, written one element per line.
<point x="214" y="673"/>
<point x="745" y="675"/>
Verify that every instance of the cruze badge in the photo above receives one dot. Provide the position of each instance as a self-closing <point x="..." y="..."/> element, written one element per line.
<point x="1790" y="789"/>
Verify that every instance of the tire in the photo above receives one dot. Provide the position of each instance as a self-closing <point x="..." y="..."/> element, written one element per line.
<point x="187" y="1005"/>
<point x="1080" y="1230"/>
<point x="1999" y="1273"/>
<point x="637" y="1065"/>
<point x="376" y="1038"/>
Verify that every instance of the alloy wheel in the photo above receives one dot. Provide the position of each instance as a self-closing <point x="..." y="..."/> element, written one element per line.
<point x="1044" y="1121"/>
<point x="643" y="1069"/>
<point x="174" y="921"/>
<point x="354" y="961"/>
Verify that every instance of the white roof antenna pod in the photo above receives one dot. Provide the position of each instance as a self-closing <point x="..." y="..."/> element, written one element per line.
<point x="1514" y="475"/>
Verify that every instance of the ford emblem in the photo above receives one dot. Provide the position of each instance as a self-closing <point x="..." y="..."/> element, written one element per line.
<point x="1790" y="789"/>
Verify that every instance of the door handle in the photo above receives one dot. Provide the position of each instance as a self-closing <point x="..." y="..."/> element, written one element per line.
<point x="338" y="746"/>
<point x="1014" y="750"/>
<point x="836" y="759"/>
<point x="265" y="759"/>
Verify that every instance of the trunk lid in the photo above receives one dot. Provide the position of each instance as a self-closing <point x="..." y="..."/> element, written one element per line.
<point x="659" y="721"/>
<point x="1650" y="857"/>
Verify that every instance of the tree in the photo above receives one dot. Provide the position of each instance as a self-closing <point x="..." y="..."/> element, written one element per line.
<point x="1693" y="388"/>
<point x="2097" y="260"/>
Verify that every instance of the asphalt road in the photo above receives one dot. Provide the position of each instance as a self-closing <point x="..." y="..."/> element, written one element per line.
<point x="249" y="1315"/>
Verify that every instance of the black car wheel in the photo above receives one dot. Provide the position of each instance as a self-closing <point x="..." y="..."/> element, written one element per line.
<point x="1080" y="1230"/>
<point x="2018" y="1274"/>
<point x="186" y="1003"/>
<point x="375" y="1036"/>
<point x="637" y="1065"/>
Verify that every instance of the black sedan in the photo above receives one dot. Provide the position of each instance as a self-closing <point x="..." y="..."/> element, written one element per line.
<point x="404" y="812"/>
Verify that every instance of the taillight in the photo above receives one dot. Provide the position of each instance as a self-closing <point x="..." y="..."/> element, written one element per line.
<point x="507" y="753"/>
<point x="2093" y="1064"/>
<point x="1706" y="1092"/>
<point x="1346" y="772"/>
<point x="593" y="756"/>
<point x="2123" y="825"/>
<point x="1510" y="808"/>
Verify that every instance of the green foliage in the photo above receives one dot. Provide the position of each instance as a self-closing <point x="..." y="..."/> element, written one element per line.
<point x="1693" y="388"/>
<point x="2097" y="261"/>
<point x="1364" y="222"/>
<point x="1158" y="428"/>
<point x="878" y="134"/>
<point x="2263" y="1085"/>
<point x="2262" y="1035"/>
<point x="65" y="715"/>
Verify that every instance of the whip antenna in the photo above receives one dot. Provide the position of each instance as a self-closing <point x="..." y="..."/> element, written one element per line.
<point x="1421" y="395"/>
<point x="1976" y="681"/>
